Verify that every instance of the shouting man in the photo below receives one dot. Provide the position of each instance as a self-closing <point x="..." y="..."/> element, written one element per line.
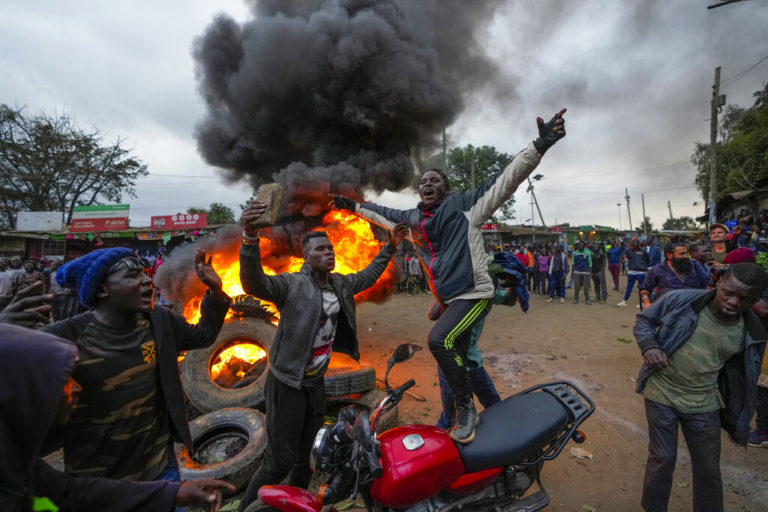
<point x="132" y="406"/>
<point x="445" y="227"/>
<point x="317" y="315"/>
<point x="700" y="372"/>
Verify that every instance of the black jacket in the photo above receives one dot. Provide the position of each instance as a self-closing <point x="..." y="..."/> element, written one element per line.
<point x="300" y="302"/>
<point x="35" y="368"/>
<point x="670" y="322"/>
<point x="172" y="336"/>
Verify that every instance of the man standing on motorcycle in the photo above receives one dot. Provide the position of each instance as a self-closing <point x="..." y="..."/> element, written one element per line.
<point x="317" y="314"/>
<point x="445" y="228"/>
<point x="702" y="352"/>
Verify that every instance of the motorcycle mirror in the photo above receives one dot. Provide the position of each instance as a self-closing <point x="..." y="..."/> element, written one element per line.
<point x="401" y="353"/>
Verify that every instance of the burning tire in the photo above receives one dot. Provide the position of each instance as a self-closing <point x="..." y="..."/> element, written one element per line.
<point x="229" y="445"/>
<point x="213" y="380"/>
<point x="345" y="376"/>
<point x="367" y="402"/>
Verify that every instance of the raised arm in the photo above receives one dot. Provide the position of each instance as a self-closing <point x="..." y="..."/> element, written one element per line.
<point x="255" y="282"/>
<point x="370" y="274"/>
<point x="490" y="195"/>
<point x="379" y="215"/>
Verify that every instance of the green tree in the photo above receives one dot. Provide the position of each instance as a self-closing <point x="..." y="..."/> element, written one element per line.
<point x="218" y="213"/>
<point x="680" y="224"/>
<point x="487" y="162"/>
<point x="47" y="163"/>
<point x="742" y="155"/>
<point x="645" y="226"/>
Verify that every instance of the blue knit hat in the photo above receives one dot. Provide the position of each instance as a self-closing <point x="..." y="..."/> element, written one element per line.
<point x="86" y="273"/>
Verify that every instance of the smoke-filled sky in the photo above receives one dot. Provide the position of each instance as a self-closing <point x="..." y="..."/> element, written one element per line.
<point x="635" y="76"/>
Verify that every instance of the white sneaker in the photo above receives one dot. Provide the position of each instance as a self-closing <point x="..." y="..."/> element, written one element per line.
<point x="622" y="303"/>
<point x="562" y="300"/>
<point x="550" y="299"/>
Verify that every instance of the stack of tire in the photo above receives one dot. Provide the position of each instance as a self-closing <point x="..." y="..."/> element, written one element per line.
<point x="230" y="418"/>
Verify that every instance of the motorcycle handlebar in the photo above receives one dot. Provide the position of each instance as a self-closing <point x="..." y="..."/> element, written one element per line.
<point x="402" y="389"/>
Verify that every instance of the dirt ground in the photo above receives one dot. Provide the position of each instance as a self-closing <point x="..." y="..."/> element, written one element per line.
<point x="591" y="346"/>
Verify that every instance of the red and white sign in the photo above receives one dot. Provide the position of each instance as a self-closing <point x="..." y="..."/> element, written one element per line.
<point x="180" y="221"/>
<point x="557" y="229"/>
<point x="489" y="227"/>
<point x="89" y="225"/>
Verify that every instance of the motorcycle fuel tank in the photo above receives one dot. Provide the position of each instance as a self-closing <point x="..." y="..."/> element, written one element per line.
<point x="417" y="461"/>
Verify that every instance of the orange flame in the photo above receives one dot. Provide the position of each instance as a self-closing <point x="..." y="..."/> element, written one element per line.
<point x="248" y="352"/>
<point x="354" y="247"/>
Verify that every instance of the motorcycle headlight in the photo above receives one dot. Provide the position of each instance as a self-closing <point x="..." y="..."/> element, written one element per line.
<point x="319" y="448"/>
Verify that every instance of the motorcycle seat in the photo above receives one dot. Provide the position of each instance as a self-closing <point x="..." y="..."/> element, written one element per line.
<point x="513" y="429"/>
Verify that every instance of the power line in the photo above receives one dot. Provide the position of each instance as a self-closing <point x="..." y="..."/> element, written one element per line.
<point x="739" y="76"/>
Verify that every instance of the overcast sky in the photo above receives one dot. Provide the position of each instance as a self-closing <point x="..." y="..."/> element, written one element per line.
<point x="636" y="78"/>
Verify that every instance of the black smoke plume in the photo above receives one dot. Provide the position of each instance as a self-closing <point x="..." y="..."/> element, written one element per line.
<point x="335" y="96"/>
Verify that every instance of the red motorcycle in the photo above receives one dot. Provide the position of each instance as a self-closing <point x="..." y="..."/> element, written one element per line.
<point x="421" y="469"/>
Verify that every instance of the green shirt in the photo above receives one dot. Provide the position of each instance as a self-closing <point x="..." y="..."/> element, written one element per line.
<point x="689" y="383"/>
<point x="120" y="428"/>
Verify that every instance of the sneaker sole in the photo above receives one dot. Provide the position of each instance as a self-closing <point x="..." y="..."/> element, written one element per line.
<point x="465" y="440"/>
<point x="761" y="445"/>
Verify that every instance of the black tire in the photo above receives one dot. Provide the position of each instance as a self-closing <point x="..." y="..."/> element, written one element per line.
<point x="248" y="424"/>
<point x="200" y="388"/>
<point x="367" y="401"/>
<point x="346" y="377"/>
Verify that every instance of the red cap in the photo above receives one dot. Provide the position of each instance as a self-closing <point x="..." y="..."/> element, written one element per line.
<point x="740" y="255"/>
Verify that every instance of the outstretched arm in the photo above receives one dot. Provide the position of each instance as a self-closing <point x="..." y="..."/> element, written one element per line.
<point x="252" y="276"/>
<point x="368" y="276"/>
<point x="490" y="195"/>
<point x="379" y="215"/>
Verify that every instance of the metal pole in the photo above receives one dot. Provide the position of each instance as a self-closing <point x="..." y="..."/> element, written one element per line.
<point x="445" y="152"/>
<point x="619" y="205"/>
<point x="629" y="212"/>
<point x="717" y="101"/>
<point x="533" y="223"/>
<point x="541" y="217"/>
<point x="669" y="205"/>
<point x="645" y="224"/>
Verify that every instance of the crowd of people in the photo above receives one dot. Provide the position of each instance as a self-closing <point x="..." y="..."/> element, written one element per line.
<point x="701" y="331"/>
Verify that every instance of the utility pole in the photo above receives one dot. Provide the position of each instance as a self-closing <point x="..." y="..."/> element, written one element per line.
<point x="645" y="224"/>
<point x="533" y="223"/>
<point x="718" y="101"/>
<point x="629" y="212"/>
<point x="541" y="217"/>
<point x="472" y="173"/>
<point x="619" y="205"/>
<point x="669" y="205"/>
<point x="445" y="152"/>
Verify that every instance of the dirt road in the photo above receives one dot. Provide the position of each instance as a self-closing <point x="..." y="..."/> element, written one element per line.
<point x="591" y="346"/>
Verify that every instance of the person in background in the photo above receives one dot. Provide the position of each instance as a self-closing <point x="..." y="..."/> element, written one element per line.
<point x="701" y="363"/>
<point x="6" y="281"/>
<point x="558" y="269"/>
<point x="598" y="274"/>
<point x="29" y="276"/>
<point x="615" y="254"/>
<point x="414" y="273"/>
<point x="581" y="272"/>
<point x="677" y="272"/>
<point x="700" y="252"/>
<point x="531" y="260"/>
<point x="759" y="436"/>
<point x="16" y="266"/>
<point x="720" y="244"/>
<point x="543" y="271"/>
<point x="654" y="253"/>
<point x="638" y="262"/>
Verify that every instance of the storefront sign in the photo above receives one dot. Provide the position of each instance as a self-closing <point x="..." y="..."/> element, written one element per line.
<point x="101" y="211"/>
<point x="180" y="221"/>
<point x="97" y="224"/>
<point x="489" y="227"/>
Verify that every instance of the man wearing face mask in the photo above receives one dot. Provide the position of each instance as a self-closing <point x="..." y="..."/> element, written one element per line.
<point x="678" y="271"/>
